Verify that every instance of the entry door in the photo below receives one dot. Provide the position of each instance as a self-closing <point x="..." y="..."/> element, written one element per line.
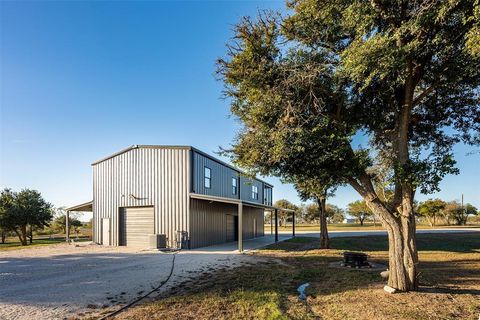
<point x="136" y="224"/>
<point x="230" y="228"/>
<point x="106" y="231"/>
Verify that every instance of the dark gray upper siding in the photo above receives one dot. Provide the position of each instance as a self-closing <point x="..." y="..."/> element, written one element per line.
<point x="221" y="180"/>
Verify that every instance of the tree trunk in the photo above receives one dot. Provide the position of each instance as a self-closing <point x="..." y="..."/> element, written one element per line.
<point x="22" y="235"/>
<point x="403" y="255"/>
<point x="31" y="235"/>
<point x="4" y="236"/>
<point x="402" y="246"/>
<point x="400" y="225"/>
<point x="324" y="240"/>
<point x="430" y="221"/>
<point x="361" y="220"/>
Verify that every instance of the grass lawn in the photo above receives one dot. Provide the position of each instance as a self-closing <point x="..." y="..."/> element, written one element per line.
<point x="14" y="244"/>
<point x="354" y="227"/>
<point x="450" y="280"/>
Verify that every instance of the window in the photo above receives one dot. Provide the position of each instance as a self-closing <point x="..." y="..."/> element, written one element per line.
<point x="255" y="192"/>
<point x="234" y="185"/>
<point x="208" y="178"/>
<point x="267" y="196"/>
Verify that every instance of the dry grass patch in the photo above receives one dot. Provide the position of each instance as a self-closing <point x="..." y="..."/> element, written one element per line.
<point x="450" y="279"/>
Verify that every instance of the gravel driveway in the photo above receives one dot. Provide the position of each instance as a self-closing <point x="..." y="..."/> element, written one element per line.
<point x="62" y="281"/>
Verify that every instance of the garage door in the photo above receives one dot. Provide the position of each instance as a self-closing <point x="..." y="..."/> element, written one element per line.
<point x="135" y="226"/>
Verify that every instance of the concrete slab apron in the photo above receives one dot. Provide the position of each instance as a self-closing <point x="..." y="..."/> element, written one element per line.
<point x="62" y="281"/>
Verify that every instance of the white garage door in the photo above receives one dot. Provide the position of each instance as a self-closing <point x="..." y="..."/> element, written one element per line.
<point x="135" y="226"/>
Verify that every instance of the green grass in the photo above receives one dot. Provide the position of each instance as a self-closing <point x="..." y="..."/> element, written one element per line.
<point x="15" y="245"/>
<point x="356" y="227"/>
<point x="450" y="268"/>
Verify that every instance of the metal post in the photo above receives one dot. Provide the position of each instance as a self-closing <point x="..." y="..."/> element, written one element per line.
<point x="271" y="222"/>
<point x="240" y="227"/>
<point x="293" y="223"/>
<point x="67" y="226"/>
<point x="276" y="225"/>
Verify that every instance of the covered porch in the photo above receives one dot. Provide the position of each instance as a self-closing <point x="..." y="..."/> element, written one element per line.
<point x="240" y="204"/>
<point x="83" y="207"/>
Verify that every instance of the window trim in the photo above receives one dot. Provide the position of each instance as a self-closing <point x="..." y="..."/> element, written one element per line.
<point x="205" y="178"/>
<point x="254" y="192"/>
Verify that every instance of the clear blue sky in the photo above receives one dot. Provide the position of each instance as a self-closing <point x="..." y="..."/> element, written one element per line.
<point x="81" y="80"/>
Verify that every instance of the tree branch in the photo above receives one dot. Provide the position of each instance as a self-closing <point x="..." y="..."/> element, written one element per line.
<point x="422" y="95"/>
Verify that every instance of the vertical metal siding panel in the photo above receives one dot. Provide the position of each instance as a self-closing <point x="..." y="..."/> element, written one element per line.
<point x="159" y="177"/>
<point x="94" y="207"/>
<point x="209" y="222"/>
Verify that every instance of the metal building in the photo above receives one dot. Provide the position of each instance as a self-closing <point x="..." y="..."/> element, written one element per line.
<point x="174" y="196"/>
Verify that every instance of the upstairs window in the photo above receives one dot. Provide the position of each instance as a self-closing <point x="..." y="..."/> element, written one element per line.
<point x="267" y="196"/>
<point x="234" y="185"/>
<point x="208" y="178"/>
<point x="255" y="192"/>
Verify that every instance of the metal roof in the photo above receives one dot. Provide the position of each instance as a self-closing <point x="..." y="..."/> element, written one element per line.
<point x="87" y="206"/>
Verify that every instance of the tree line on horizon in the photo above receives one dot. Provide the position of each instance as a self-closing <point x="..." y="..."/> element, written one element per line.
<point x="431" y="211"/>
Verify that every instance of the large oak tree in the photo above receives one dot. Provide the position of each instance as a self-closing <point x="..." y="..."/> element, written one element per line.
<point x="404" y="74"/>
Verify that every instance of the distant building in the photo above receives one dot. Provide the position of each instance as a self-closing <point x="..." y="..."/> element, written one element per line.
<point x="349" y="220"/>
<point x="176" y="196"/>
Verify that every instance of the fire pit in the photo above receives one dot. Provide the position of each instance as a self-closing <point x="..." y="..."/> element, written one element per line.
<point x="355" y="260"/>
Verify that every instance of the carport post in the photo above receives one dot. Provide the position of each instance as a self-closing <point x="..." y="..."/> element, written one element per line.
<point x="271" y="222"/>
<point x="67" y="226"/>
<point x="293" y="223"/>
<point x="240" y="227"/>
<point x="276" y="225"/>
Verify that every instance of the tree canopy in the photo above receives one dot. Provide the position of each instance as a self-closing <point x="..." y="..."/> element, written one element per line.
<point x="359" y="210"/>
<point x="283" y="216"/>
<point x="18" y="210"/>
<point x="432" y="209"/>
<point x="403" y="74"/>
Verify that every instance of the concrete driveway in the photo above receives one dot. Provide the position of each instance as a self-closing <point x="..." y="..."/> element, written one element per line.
<point x="59" y="281"/>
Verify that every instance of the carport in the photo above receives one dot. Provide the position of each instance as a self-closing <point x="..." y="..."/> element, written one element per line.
<point x="84" y="207"/>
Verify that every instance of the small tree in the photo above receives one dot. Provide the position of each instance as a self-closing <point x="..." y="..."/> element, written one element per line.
<point x="311" y="212"/>
<point x="431" y="210"/>
<point x="24" y="209"/>
<point x="60" y="220"/>
<point x="359" y="210"/>
<point x="318" y="191"/>
<point x="284" y="215"/>
<point x="334" y="214"/>
<point x="460" y="215"/>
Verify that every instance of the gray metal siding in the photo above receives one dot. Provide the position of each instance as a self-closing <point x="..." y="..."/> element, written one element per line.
<point x="221" y="177"/>
<point x="221" y="180"/>
<point x="246" y="190"/>
<point x="209" y="222"/>
<point x="249" y="214"/>
<point x="157" y="177"/>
